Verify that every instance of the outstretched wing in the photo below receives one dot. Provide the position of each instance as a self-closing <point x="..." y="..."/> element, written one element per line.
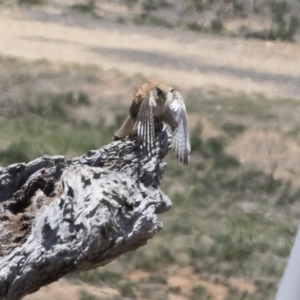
<point x="181" y="140"/>
<point x="145" y="127"/>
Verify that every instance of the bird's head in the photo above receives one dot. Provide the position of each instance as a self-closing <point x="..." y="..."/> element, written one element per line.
<point x="160" y="92"/>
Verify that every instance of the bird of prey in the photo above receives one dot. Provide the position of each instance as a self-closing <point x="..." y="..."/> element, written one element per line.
<point x="155" y="101"/>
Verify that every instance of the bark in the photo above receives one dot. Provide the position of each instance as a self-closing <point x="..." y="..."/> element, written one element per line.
<point x="59" y="216"/>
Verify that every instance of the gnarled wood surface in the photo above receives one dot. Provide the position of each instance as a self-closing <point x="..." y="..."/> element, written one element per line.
<point x="59" y="216"/>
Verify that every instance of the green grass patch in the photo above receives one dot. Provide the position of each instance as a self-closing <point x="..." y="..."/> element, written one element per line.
<point x="194" y="26"/>
<point x="159" y="256"/>
<point x="41" y="124"/>
<point x="200" y="293"/>
<point x="21" y="151"/>
<point x="84" y="295"/>
<point x="126" y="289"/>
<point x="77" y="98"/>
<point x="31" y="2"/>
<point x="103" y="278"/>
<point x="87" y="7"/>
<point x="96" y="277"/>
<point x="233" y="129"/>
<point x="147" y="19"/>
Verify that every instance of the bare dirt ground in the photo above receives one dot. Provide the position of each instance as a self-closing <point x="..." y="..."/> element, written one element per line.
<point x="182" y="58"/>
<point x="183" y="279"/>
<point x="277" y="155"/>
<point x="64" y="290"/>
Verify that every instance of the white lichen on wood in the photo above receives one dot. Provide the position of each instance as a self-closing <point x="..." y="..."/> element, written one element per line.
<point x="59" y="216"/>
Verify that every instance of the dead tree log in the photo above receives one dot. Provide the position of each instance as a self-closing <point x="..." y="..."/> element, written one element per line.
<point x="59" y="216"/>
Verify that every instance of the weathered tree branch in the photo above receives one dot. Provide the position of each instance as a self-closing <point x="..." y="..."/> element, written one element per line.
<point x="59" y="216"/>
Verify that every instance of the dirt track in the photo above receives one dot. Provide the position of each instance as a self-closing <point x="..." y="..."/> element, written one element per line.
<point x="183" y="58"/>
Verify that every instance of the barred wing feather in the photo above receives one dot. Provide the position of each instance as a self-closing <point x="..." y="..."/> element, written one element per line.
<point x="145" y="127"/>
<point x="181" y="140"/>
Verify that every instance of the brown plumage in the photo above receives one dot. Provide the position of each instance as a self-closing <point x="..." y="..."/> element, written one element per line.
<point x="154" y="101"/>
<point x="153" y="87"/>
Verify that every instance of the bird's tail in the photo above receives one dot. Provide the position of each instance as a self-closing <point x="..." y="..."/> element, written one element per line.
<point x="126" y="129"/>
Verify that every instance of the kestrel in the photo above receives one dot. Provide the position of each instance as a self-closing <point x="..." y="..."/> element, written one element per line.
<point x="153" y="102"/>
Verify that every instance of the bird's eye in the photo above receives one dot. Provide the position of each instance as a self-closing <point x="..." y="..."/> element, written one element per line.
<point x="171" y="90"/>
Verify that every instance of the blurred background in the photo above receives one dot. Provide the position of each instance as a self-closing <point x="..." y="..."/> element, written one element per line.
<point x="68" y="70"/>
